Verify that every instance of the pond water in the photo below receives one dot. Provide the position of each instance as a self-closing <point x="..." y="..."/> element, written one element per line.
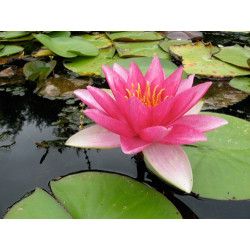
<point x="25" y="165"/>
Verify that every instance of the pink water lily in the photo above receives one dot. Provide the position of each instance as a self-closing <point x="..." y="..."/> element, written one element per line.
<point x="154" y="114"/>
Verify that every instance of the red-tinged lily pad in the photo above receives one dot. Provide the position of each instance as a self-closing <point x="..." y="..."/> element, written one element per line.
<point x="220" y="165"/>
<point x="241" y="83"/>
<point x="141" y="49"/>
<point x="95" y="195"/>
<point x="135" y="36"/>
<point x="197" y="59"/>
<point x="235" y="55"/>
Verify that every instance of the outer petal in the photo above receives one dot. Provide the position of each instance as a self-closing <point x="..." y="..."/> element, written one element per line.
<point x="105" y="101"/>
<point x="153" y="134"/>
<point x="155" y="69"/>
<point x="109" y="123"/>
<point x="171" y="164"/>
<point x="85" y="96"/>
<point x="202" y="123"/>
<point x="121" y="71"/>
<point x="135" y="76"/>
<point x="133" y="145"/>
<point x="94" y="137"/>
<point x="196" y="108"/>
<point x="186" y="84"/>
<point x="182" y="134"/>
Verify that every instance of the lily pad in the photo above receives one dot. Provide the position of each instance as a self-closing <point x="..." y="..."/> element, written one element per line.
<point x="54" y="34"/>
<point x="96" y="195"/>
<point x="38" y="69"/>
<point x="241" y="83"/>
<point x="1" y="46"/>
<point x="13" y="34"/>
<point x="61" y="88"/>
<point x="221" y="164"/>
<point x="139" y="49"/>
<point x="38" y="205"/>
<point x="135" y="36"/>
<point x="144" y="63"/>
<point x="10" y="50"/>
<point x="166" y="43"/>
<point x="197" y="59"/>
<point x="43" y="53"/>
<point x="68" y="46"/>
<point x="235" y="55"/>
<point x="100" y="41"/>
<point x="91" y="66"/>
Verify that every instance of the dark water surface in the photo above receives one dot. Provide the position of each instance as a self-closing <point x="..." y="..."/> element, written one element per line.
<point x="25" y="166"/>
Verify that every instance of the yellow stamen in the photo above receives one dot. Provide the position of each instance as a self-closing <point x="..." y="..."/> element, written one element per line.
<point x="129" y="93"/>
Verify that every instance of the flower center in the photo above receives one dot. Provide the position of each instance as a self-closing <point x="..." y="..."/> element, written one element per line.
<point x="150" y="97"/>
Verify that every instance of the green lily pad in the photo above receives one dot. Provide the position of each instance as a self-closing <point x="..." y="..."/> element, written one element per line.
<point x="139" y="49"/>
<point x="10" y="50"/>
<point x="220" y="165"/>
<point x="241" y="83"/>
<point x="55" y="34"/>
<point x="135" y="36"/>
<point x="235" y="55"/>
<point x="38" y="205"/>
<point x="197" y="59"/>
<point x="166" y="43"/>
<point x="38" y="69"/>
<point x="144" y="63"/>
<point x="96" y="195"/>
<point x="68" y="46"/>
<point x="13" y="34"/>
<point x="100" y="41"/>
<point x="91" y="66"/>
<point x="1" y="46"/>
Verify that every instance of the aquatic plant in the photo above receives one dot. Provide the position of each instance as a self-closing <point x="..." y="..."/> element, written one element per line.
<point x="154" y="114"/>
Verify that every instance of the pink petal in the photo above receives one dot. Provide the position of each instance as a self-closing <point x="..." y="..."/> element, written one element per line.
<point x="196" y="108"/>
<point x="105" y="101"/>
<point x="181" y="103"/>
<point x="171" y="164"/>
<point x="181" y="134"/>
<point x="94" y="137"/>
<point x="121" y="71"/>
<point x="171" y="84"/>
<point x="155" y="69"/>
<point x="202" y="123"/>
<point x="186" y="84"/>
<point x="138" y="115"/>
<point x="132" y="145"/>
<point x="85" y="96"/>
<point x="114" y="80"/>
<point x="109" y="123"/>
<point x="153" y="134"/>
<point x="135" y="76"/>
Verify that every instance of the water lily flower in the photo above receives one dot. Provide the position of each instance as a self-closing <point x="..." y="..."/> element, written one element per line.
<point x="153" y="114"/>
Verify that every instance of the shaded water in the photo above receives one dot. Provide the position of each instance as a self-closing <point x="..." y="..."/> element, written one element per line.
<point x="24" y="165"/>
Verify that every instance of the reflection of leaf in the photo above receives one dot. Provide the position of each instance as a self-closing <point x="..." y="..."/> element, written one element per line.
<point x="241" y="83"/>
<point x="96" y="195"/>
<point x="10" y="50"/>
<point x="197" y="59"/>
<point x="235" y="55"/>
<point x="68" y="46"/>
<point x="7" y="147"/>
<point x="139" y="49"/>
<point x="35" y="69"/>
<point x="5" y="135"/>
<point x="221" y="164"/>
<point x="4" y="60"/>
<point x="91" y="66"/>
<point x="135" y="36"/>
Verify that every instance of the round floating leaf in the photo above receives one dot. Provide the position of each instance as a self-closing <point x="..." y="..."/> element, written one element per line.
<point x="103" y="195"/>
<point x="235" y="55"/>
<point x="1" y="46"/>
<point x="35" y="69"/>
<point x="91" y="66"/>
<point x="38" y="205"/>
<point x="144" y="63"/>
<point x="220" y="165"/>
<point x="68" y="46"/>
<point x="10" y="50"/>
<point x="100" y="41"/>
<point x="139" y="49"/>
<point x="241" y="83"/>
<point x="43" y="52"/>
<point x="54" y="34"/>
<point x="197" y="59"/>
<point x="166" y="43"/>
<point x="133" y="36"/>
<point x="13" y="34"/>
